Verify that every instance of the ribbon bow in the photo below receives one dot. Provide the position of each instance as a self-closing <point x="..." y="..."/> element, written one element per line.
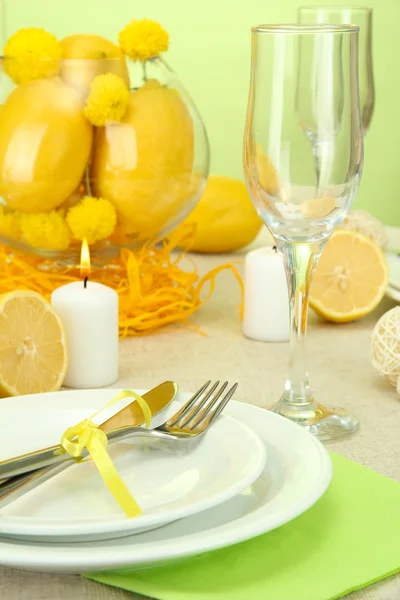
<point x="87" y="434"/>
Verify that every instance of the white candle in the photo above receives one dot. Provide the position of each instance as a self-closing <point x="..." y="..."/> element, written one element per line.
<point x="90" y="317"/>
<point x="266" y="302"/>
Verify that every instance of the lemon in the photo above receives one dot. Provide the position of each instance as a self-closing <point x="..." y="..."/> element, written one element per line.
<point x="83" y="45"/>
<point x="45" y="143"/>
<point x="224" y="218"/>
<point x="86" y="56"/>
<point x="77" y="195"/>
<point x="143" y="165"/>
<point x="350" y="279"/>
<point x="33" y="352"/>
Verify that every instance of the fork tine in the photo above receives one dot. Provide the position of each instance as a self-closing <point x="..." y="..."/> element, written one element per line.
<point x="204" y="414"/>
<point x="189" y="404"/>
<point x="218" y="410"/>
<point x="198" y="407"/>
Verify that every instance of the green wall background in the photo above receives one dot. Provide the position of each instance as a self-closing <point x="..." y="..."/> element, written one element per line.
<point x="210" y="51"/>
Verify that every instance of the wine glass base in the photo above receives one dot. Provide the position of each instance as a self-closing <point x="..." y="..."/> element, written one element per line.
<point x="325" y="422"/>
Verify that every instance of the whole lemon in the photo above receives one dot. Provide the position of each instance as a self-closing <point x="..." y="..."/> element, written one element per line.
<point x="224" y="218"/>
<point x="86" y="56"/>
<point x="45" y="143"/>
<point x="143" y="165"/>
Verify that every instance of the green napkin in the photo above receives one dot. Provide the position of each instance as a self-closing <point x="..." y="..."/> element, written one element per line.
<point x="348" y="540"/>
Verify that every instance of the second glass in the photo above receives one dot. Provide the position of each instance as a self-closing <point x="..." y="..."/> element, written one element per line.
<point x="362" y="17"/>
<point x="303" y="152"/>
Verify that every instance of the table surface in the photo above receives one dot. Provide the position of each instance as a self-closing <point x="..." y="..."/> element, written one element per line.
<point x="340" y="373"/>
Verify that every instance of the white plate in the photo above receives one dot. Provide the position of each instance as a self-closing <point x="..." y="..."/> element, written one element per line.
<point x="169" y="483"/>
<point x="297" y="473"/>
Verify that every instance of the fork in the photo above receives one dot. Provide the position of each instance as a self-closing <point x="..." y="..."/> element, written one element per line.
<point x="192" y="420"/>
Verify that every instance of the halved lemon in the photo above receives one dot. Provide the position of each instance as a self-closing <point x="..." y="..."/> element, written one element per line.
<point x="33" y="350"/>
<point x="350" y="279"/>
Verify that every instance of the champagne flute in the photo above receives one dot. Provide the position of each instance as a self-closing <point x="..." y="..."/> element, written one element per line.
<point x="303" y="151"/>
<point x="355" y="15"/>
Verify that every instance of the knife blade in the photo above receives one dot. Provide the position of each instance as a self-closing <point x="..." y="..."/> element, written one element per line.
<point x="131" y="415"/>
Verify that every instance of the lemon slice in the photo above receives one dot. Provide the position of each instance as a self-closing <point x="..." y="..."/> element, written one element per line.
<point x="33" y="351"/>
<point x="317" y="208"/>
<point x="351" y="277"/>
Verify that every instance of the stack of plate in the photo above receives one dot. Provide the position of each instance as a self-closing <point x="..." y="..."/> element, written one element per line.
<point x="393" y="289"/>
<point x="252" y="472"/>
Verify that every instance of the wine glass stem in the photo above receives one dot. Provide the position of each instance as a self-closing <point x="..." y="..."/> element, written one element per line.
<point x="300" y="260"/>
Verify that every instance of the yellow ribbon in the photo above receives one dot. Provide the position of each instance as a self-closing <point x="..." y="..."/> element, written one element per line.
<point x="87" y="434"/>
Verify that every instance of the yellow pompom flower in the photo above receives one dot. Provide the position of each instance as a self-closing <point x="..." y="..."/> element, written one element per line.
<point x="107" y="100"/>
<point x="143" y="39"/>
<point x="46" y="230"/>
<point x="32" y="54"/>
<point x="9" y="223"/>
<point x="93" y="218"/>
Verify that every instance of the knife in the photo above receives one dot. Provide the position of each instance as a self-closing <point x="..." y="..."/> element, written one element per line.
<point x="157" y="399"/>
<point x="13" y="488"/>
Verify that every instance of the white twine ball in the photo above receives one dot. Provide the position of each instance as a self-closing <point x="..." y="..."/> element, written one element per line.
<point x="385" y="346"/>
<point x="363" y="222"/>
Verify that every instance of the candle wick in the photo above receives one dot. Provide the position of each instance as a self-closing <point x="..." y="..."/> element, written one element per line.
<point x="85" y="282"/>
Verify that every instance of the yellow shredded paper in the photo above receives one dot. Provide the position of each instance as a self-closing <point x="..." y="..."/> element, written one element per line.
<point x="154" y="290"/>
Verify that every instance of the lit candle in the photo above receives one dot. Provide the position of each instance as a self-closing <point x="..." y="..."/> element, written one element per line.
<point x="89" y="312"/>
<point x="266" y="302"/>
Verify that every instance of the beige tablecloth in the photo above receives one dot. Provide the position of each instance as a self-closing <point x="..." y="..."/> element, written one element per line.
<point x="340" y="373"/>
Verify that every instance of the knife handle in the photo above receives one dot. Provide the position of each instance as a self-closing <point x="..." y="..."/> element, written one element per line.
<point x="15" y="487"/>
<point x="32" y="461"/>
<point x="53" y="455"/>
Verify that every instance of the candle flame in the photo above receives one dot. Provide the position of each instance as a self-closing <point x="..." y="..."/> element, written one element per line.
<point x="85" y="259"/>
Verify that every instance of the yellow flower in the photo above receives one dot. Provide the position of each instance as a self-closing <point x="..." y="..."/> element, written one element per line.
<point x="107" y="101"/>
<point x="46" y="230"/>
<point x="93" y="218"/>
<point x="32" y="54"/>
<point x="144" y="39"/>
<point x="9" y="223"/>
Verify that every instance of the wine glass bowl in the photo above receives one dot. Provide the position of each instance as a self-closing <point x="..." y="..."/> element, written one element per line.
<point x="303" y="152"/>
<point x="362" y="17"/>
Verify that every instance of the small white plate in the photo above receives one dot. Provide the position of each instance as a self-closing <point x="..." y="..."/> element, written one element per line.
<point x="168" y="482"/>
<point x="296" y="474"/>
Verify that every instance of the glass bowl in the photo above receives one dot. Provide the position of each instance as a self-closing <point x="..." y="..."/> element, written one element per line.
<point x="151" y="166"/>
